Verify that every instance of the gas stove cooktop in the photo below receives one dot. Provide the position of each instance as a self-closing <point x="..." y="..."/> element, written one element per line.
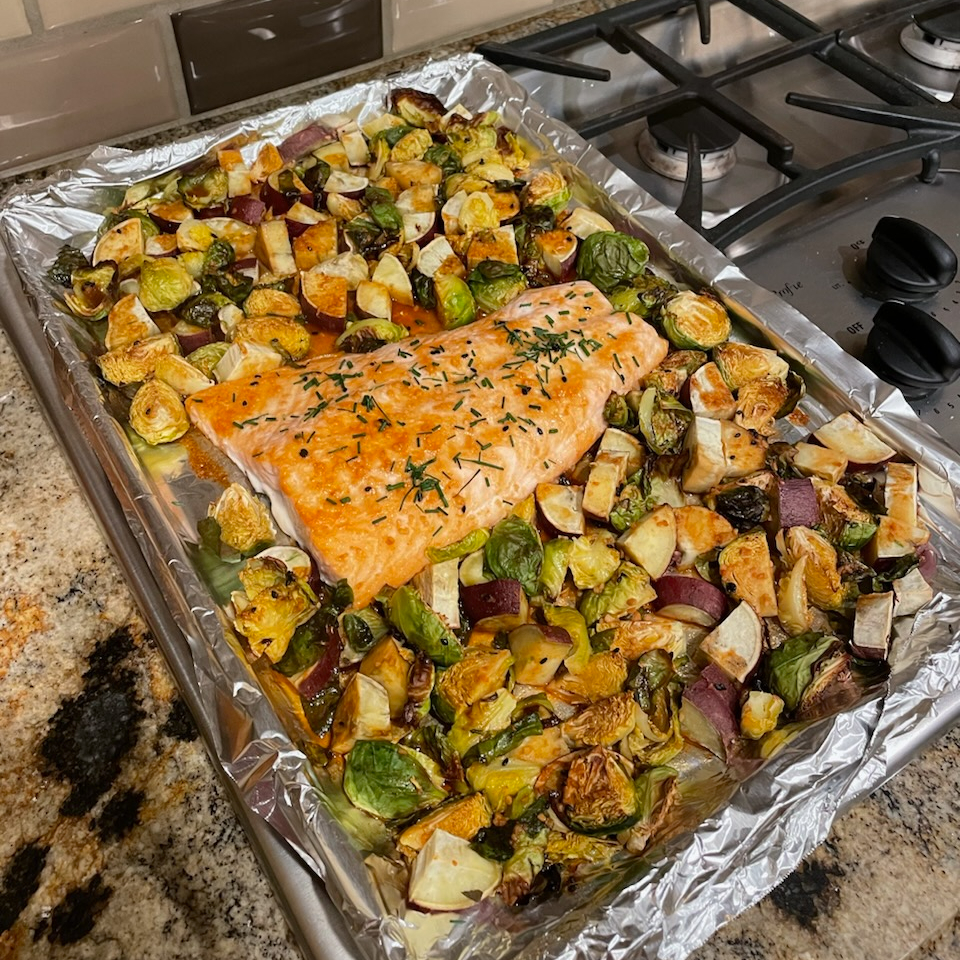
<point x="806" y="124"/>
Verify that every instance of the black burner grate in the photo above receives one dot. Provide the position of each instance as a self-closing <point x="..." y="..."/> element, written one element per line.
<point x="930" y="126"/>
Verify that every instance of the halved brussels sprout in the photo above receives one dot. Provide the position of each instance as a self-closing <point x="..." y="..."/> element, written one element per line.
<point x="90" y="297"/>
<point x="203" y="310"/>
<point x="515" y="552"/>
<point x="760" y="713"/>
<point x="136" y="361"/>
<point x="422" y="627"/>
<point x="244" y="521"/>
<point x="695" y="321"/>
<point x="759" y="403"/>
<point x="546" y="188"/>
<point x="822" y="574"/>
<point x="471" y="140"/>
<point x="607" y="259"/>
<point x="205" y="188"/>
<point x="282" y="334"/>
<point x="593" y="561"/>
<point x="388" y="780"/>
<point x="419" y="109"/>
<point x="740" y="363"/>
<point x="604" y="723"/>
<point x="746" y="570"/>
<point x="627" y="590"/>
<point x="471" y="542"/>
<point x="455" y="303"/>
<point x="157" y="413"/>
<point x="674" y="371"/>
<point x="411" y="146"/>
<point x="598" y="796"/>
<point x="477" y="675"/>
<point x="164" y="284"/>
<point x="663" y="421"/>
<point x="269" y="620"/>
<point x="845" y="523"/>
<point x="645" y="295"/>
<point x="205" y="358"/>
<point x="494" y="284"/>
<point x="366" y="335"/>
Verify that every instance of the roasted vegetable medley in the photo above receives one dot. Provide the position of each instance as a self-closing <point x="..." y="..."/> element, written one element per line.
<point x="693" y="588"/>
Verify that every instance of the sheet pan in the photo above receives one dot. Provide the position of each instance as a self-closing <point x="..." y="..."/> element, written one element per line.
<point x="664" y="907"/>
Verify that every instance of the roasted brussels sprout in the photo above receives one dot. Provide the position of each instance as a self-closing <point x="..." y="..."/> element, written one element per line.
<point x="663" y="421"/>
<point x="244" y="520"/>
<point x="604" y="723"/>
<point x="593" y="561"/>
<point x="627" y="590"/>
<point x="164" y="284"/>
<point x="455" y="304"/>
<point x="205" y="358"/>
<point x="90" y="297"/>
<point x="556" y="561"/>
<point x="422" y="627"/>
<point x="444" y="157"/>
<point x="471" y="542"/>
<point x="202" y="310"/>
<point x="607" y="259"/>
<point x="282" y="334"/>
<point x="759" y="403"/>
<point x="514" y="552"/>
<point x="598" y="796"/>
<point x="478" y="675"/>
<point x="745" y="506"/>
<point x="504" y="741"/>
<point x="740" y="363"/>
<point x="363" y="336"/>
<point x="695" y="321"/>
<point x="746" y="571"/>
<point x="790" y="667"/>
<point x="674" y="371"/>
<point x="157" y="413"/>
<point x="419" y="109"/>
<point x="546" y="188"/>
<point x="822" y="574"/>
<point x="388" y="780"/>
<point x="645" y="295"/>
<point x="759" y="714"/>
<point x="846" y="524"/>
<point x="136" y="361"/>
<point x="494" y="284"/>
<point x="205" y="188"/>
<point x="270" y="619"/>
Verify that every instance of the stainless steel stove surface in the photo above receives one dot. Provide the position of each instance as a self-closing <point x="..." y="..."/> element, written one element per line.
<point x="812" y="250"/>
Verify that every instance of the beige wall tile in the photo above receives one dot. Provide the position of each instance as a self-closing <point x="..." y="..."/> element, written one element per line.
<point x="57" y="12"/>
<point x="13" y="21"/>
<point x="418" y="22"/>
<point x="62" y="94"/>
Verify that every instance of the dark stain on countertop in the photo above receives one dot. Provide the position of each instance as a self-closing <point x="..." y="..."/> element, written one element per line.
<point x="179" y="724"/>
<point x="91" y="733"/>
<point x="75" y="916"/>
<point x="810" y="892"/>
<point x="119" y="816"/>
<point x="21" y="880"/>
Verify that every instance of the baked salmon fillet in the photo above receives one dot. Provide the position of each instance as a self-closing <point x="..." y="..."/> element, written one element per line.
<point x="370" y="459"/>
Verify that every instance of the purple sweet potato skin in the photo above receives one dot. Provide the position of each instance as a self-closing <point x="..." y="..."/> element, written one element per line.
<point x="491" y="599"/>
<point x="717" y="697"/>
<point x="798" y="504"/>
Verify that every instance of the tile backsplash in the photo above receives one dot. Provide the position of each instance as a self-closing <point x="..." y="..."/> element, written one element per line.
<point x="74" y="73"/>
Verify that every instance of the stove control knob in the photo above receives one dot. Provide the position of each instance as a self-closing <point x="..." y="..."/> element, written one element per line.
<point x="909" y="349"/>
<point x="906" y="261"/>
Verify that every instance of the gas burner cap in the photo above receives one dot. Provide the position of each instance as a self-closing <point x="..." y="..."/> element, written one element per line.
<point x="934" y="38"/>
<point x="663" y="142"/>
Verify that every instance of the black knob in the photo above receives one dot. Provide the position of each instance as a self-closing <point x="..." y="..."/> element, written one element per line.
<point x="909" y="349"/>
<point x="906" y="261"/>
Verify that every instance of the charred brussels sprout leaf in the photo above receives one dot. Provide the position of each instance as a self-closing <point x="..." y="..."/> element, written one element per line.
<point x="455" y="303"/>
<point x="547" y="188"/>
<point x="504" y="741"/>
<point x="393" y="135"/>
<point x="653" y="787"/>
<point x="388" y="780"/>
<point x="609" y="258"/>
<point x="628" y="589"/>
<point x="663" y="421"/>
<point x="514" y="552"/>
<point x="205" y="188"/>
<point x="369" y="238"/>
<point x="495" y="843"/>
<point x="598" y="798"/>
<point x="645" y="295"/>
<point x="791" y="665"/>
<point x="202" y="311"/>
<point x="218" y="256"/>
<point x="316" y="178"/>
<point x="366" y="335"/>
<point x="68" y="260"/>
<point x="617" y="412"/>
<point x="422" y="627"/>
<point x="472" y="542"/>
<point x="494" y="284"/>
<point x="745" y="507"/>
<point x="417" y="108"/>
<point x="363" y="628"/>
<point x="236" y="287"/>
<point x="423" y="290"/>
<point x="444" y="157"/>
<point x="651" y="672"/>
<point x="306" y="646"/>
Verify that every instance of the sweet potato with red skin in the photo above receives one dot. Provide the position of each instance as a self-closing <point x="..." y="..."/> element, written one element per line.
<point x="708" y="715"/>
<point x="496" y="604"/>
<point x="690" y="599"/>
<point x="798" y="504"/>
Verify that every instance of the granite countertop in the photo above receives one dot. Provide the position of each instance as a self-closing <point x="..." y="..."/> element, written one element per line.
<point x="117" y="839"/>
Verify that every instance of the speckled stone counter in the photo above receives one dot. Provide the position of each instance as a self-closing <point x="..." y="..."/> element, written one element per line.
<point x="116" y="840"/>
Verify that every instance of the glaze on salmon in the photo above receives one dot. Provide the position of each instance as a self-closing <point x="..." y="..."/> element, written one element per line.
<point x="369" y="459"/>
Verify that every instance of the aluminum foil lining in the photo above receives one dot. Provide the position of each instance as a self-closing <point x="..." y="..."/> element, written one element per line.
<point x="662" y="907"/>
